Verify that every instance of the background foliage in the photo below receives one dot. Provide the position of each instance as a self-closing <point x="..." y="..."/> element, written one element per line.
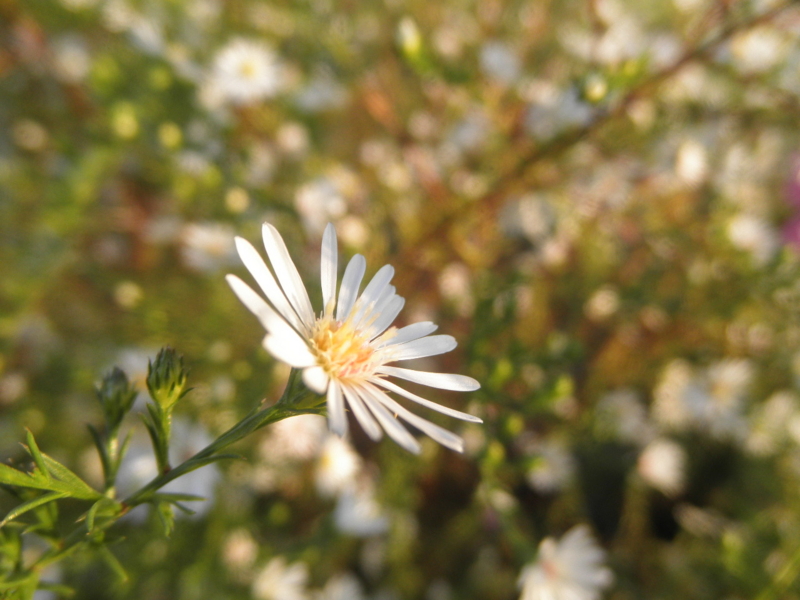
<point x="598" y="198"/>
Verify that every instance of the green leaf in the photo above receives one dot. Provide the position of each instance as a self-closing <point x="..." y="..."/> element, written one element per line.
<point x="77" y="486"/>
<point x="12" y="476"/>
<point x="166" y="516"/>
<point x="31" y="504"/>
<point x="34" y="451"/>
<point x="97" y="507"/>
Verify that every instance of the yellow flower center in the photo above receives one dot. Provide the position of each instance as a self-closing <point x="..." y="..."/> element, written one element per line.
<point x="341" y="350"/>
<point x="247" y="70"/>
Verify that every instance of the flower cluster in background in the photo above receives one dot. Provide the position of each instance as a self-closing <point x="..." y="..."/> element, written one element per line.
<point x="599" y="200"/>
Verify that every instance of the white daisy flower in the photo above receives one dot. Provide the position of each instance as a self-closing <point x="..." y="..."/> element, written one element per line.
<point x="245" y="71"/>
<point x="568" y="569"/>
<point x="344" y="352"/>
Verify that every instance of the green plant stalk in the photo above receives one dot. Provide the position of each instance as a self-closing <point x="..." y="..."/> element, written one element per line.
<point x="296" y="400"/>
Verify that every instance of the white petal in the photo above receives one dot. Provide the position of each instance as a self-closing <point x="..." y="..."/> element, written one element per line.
<point x="362" y="415"/>
<point x="439" y="434"/>
<point x="419" y="400"/>
<point x="287" y="274"/>
<point x="443" y="381"/>
<point x="270" y="319"/>
<point x="387" y="316"/>
<point x="407" y="334"/>
<point x="393" y="427"/>
<point x="258" y="269"/>
<point x="374" y="290"/>
<point x="427" y="346"/>
<point x="337" y="419"/>
<point x="316" y="379"/>
<point x="366" y="316"/>
<point x="328" y="265"/>
<point x="353" y="274"/>
<point x="295" y="355"/>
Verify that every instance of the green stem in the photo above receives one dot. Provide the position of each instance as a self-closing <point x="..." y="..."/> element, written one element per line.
<point x="296" y="400"/>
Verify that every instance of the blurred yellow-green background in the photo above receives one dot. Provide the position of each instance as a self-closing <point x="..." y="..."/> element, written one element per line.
<point x="599" y="199"/>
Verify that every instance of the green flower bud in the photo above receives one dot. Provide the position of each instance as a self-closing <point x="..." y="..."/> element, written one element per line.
<point x="116" y="395"/>
<point x="166" y="378"/>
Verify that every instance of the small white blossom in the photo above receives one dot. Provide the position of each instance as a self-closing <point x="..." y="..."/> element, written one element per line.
<point x="243" y="72"/>
<point x="662" y="464"/>
<point x="568" y="569"/>
<point x="358" y="513"/>
<point x="279" y="581"/>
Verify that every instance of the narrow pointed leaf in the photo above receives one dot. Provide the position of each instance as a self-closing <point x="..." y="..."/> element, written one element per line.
<point x="31" y="504"/>
<point x="34" y="451"/>
<point x="77" y="487"/>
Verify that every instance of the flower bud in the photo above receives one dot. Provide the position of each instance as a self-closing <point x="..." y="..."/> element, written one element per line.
<point x="116" y="395"/>
<point x="166" y="378"/>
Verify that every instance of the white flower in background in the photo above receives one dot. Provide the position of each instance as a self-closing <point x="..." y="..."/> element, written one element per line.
<point x="206" y="246"/>
<point x="711" y="399"/>
<point x="344" y="586"/>
<point x="773" y="423"/>
<point x="662" y="464"/>
<point x="319" y="202"/>
<point x="622" y="414"/>
<point x="568" y="569"/>
<point x="71" y="59"/>
<point x="337" y="466"/>
<point x="552" y="469"/>
<point x="500" y="62"/>
<point x="358" y="513"/>
<point x="279" y="581"/>
<point x="344" y="352"/>
<point x="298" y="438"/>
<point x="754" y="235"/>
<point x="244" y="71"/>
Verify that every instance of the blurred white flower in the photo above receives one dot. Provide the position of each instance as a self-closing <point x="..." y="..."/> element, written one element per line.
<point x="358" y="513"/>
<point x="280" y="581"/>
<point x="345" y="351"/>
<point x="568" y="569"/>
<point x="622" y="414"/>
<point x="337" y="466"/>
<point x="662" y="464"/>
<point x="754" y="235"/>
<point x="71" y="59"/>
<point x="691" y="163"/>
<point x="552" y="110"/>
<point x="297" y="438"/>
<point x="773" y="423"/>
<point x="553" y="467"/>
<point x="759" y="49"/>
<point x="322" y="92"/>
<point x="239" y="551"/>
<point x="318" y="203"/>
<point x="207" y="246"/>
<point x="344" y="586"/>
<point x="244" y="71"/>
<point x="499" y="62"/>
<point x="711" y="399"/>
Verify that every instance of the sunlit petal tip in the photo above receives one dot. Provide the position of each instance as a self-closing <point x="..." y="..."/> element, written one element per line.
<point x="294" y="355"/>
<point x="316" y="379"/>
